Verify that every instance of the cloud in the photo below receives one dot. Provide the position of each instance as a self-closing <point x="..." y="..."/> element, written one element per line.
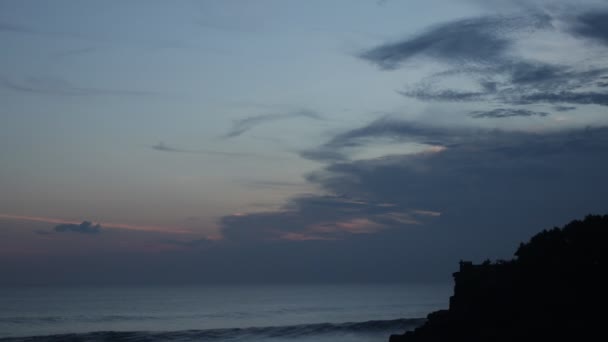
<point x="74" y="52"/>
<point x="499" y="113"/>
<point x="583" y="98"/>
<point x="484" y="50"/>
<point x="6" y="27"/>
<point x="399" y="217"/>
<point x="162" y="147"/>
<point x="55" y="86"/>
<point x="116" y="225"/>
<point x="593" y="25"/>
<point x="449" y="95"/>
<point x="82" y="35"/>
<point x="476" y="198"/>
<point x="314" y="218"/>
<point x="464" y="41"/>
<point x="388" y="128"/>
<point x="85" y="227"/>
<point x="564" y="108"/>
<point x="522" y="82"/>
<point x="243" y="125"/>
<point x="432" y="178"/>
<point x="478" y="159"/>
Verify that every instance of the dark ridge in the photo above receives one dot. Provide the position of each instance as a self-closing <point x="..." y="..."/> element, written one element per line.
<point x="555" y="289"/>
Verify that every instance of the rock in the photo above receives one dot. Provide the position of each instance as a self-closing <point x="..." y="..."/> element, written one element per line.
<point x="555" y="289"/>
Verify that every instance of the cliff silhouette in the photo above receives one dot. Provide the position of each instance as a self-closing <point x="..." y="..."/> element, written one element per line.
<point x="554" y="289"/>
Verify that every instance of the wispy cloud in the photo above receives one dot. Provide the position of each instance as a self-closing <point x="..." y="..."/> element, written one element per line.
<point x="74" y="52"/>
<point x="162" y="147"/>
<point x="243" y="125"/>
<point x="499" y="113"/>
<point x="7" y="27"/>
<point x="90" y="37"/>
<point x="564" y="108"/>
<point x="55" y="86"/>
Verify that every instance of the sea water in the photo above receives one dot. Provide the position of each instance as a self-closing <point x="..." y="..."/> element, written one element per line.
<point x="339" y="312"/>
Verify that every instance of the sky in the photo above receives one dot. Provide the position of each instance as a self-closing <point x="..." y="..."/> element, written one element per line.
<point x="293" y="141"/>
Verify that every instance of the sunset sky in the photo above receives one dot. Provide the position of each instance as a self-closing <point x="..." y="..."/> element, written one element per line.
<point x="289" y="141"/>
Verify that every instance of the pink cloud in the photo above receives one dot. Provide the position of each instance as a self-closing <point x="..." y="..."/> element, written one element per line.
<point x="303" y="237"/>
<point x="353" y="226"/>
<point x="427" y="213"/>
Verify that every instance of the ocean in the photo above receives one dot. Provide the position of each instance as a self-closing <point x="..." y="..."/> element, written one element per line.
<point x="356" y="313"/>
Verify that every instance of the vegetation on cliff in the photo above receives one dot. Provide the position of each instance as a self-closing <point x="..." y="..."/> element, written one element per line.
<point x="555" y="289"/>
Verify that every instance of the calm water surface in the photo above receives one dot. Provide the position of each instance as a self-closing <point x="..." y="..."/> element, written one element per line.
<point x="215" y="310"/>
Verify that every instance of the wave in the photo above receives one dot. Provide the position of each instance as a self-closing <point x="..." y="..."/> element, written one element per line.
<point x="249" y="334"/>
<point x="84" y="318"/>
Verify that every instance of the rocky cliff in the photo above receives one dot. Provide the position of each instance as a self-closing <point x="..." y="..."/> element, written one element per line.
<point x="554" y="289"/>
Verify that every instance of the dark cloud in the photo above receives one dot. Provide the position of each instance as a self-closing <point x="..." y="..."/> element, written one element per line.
<point x="482" y="49"/>
<point x="483" y="40"/>
<point x="85" y="227"/>
<point x="505" y="113"/>
<point x="392" y="128"/>
<point x="455" y="138"/>
<point x="243" y="125"/>
<point x="593" y="25"/>
<point x="583" y="98"/>
<point x="489" y="160"/>
<point x="544" y="76"/>
<point x="522" y="82"/>
<point x="388" y="128"/>
<point x="473" y="199"/>
<point x="317" y="218"/>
